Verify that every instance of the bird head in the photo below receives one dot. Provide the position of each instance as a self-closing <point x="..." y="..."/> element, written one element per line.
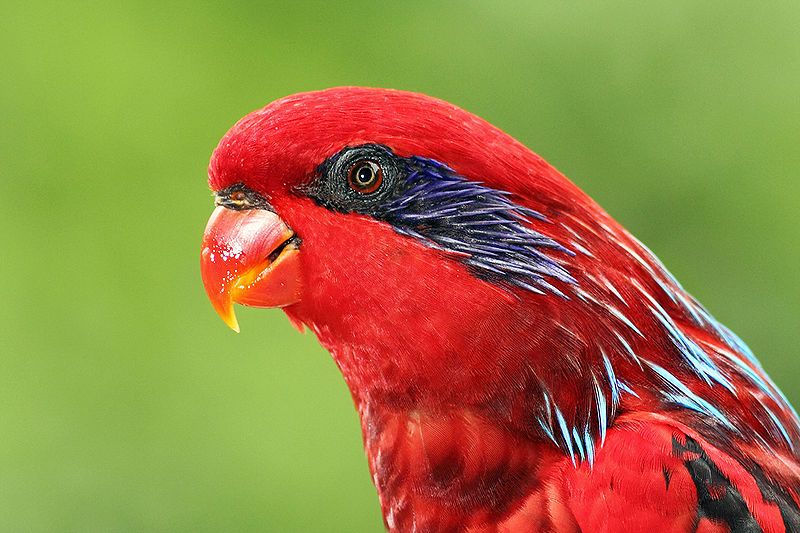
<point x="407" y="233"/>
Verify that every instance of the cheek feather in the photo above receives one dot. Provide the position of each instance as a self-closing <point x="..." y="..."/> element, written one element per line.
<point x="371" y="294"/>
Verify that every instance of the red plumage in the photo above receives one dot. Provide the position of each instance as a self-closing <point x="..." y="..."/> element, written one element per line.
<point x="613" y="402"/>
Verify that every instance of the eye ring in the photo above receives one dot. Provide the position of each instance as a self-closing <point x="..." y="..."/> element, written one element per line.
<point x="365" y="176"/>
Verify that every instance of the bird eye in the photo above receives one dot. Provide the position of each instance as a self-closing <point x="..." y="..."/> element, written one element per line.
<point x="365" y="176"/>
<point x="238" y="196"/>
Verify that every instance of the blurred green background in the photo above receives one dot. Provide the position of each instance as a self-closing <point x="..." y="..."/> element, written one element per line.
<point x="127" y="405"/>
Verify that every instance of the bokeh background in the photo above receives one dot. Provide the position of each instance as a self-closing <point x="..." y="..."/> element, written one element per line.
<point x="127" y="405"/>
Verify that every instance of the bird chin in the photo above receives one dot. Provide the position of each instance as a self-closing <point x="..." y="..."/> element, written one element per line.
<point x="272" y="284"/>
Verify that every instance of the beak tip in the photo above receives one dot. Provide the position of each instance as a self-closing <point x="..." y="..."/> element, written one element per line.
<point x="224" y="308"/>
<point x="229" y="317"/>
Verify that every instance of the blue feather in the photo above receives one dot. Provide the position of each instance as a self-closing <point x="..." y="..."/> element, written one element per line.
<point x="447" y="211"/>
<point x="678" y="393"/>
<point x="565" y="433"/>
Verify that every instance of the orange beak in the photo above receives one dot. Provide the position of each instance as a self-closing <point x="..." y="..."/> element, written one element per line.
<point x="249" y="257"/>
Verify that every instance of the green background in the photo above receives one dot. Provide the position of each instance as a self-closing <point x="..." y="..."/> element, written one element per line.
<point x="127" y="405"/>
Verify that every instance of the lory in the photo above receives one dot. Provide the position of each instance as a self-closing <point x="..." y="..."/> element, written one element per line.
<point x="518" y="360"/>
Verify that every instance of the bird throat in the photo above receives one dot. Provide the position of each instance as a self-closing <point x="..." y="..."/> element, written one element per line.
<point x="436" y="471"/>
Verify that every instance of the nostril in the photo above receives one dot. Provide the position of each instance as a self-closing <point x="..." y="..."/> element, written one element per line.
<point x="240" y="197"/>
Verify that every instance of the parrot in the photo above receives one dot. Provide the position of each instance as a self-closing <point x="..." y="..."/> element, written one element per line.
<point x="518" y="360"/>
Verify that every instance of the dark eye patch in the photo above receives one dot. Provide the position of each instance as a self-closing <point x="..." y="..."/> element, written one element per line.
<point x="427" y="200"/>
<point x="332" y="189"/>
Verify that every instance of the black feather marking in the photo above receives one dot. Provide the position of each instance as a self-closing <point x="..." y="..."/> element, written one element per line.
<point x="773" y="493"/>
<point x="427" y="200"/>
<point x="667" y="476"/>
<point x="717" y="498"/>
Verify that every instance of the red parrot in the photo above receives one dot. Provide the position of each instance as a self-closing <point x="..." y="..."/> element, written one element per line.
<point x="518" y="360"/>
